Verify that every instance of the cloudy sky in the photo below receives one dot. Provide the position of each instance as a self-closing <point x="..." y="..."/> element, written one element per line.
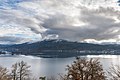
<point x="75" y="20"/>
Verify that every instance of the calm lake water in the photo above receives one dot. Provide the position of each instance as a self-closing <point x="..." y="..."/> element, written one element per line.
<point x="54" y="66"/>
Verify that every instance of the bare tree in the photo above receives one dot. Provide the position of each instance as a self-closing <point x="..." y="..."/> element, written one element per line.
<point x="114" y="73"/>
<point x="20" y="71"/>
<point x="4" y="74"/>
<point x="14" y="71"/>
<point x="83" y="69"/>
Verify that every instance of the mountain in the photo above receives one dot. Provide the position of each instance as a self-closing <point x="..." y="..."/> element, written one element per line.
<point x="61" y="48"/>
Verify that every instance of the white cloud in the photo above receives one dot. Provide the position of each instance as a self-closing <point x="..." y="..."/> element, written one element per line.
<point x="14" y="22"/>
<point x="76" y="20"/>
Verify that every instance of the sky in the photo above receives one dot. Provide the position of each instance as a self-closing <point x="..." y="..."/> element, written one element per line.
<point x="92" y="21"/>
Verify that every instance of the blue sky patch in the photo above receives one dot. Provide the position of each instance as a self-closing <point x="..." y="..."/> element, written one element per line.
<point x="10" y="3"/>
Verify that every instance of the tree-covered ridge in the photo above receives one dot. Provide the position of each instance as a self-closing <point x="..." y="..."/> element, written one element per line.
<point x="61" y="48"/>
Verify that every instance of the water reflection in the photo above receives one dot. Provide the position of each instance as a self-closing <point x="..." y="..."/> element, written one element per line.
<point x="54" y="66"/>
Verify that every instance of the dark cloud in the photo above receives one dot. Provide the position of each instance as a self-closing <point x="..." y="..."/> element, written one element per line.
<point x="99" y="25"/>
<point x="12" y="40"/>
<point x="75" y="20"/>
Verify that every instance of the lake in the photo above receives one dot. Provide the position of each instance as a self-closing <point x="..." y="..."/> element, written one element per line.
<point x="54" y="66"/>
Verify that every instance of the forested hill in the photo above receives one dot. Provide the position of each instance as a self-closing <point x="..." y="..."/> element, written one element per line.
<point x="61" y="47"/>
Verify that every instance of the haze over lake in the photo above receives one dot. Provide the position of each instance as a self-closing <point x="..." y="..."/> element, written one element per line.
<point x="54" y="66"/>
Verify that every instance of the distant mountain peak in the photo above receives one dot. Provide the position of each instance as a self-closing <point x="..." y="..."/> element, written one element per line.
<point x="56" y="40"/>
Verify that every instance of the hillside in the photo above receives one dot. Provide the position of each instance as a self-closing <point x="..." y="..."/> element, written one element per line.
<point x="61" y="48"/>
